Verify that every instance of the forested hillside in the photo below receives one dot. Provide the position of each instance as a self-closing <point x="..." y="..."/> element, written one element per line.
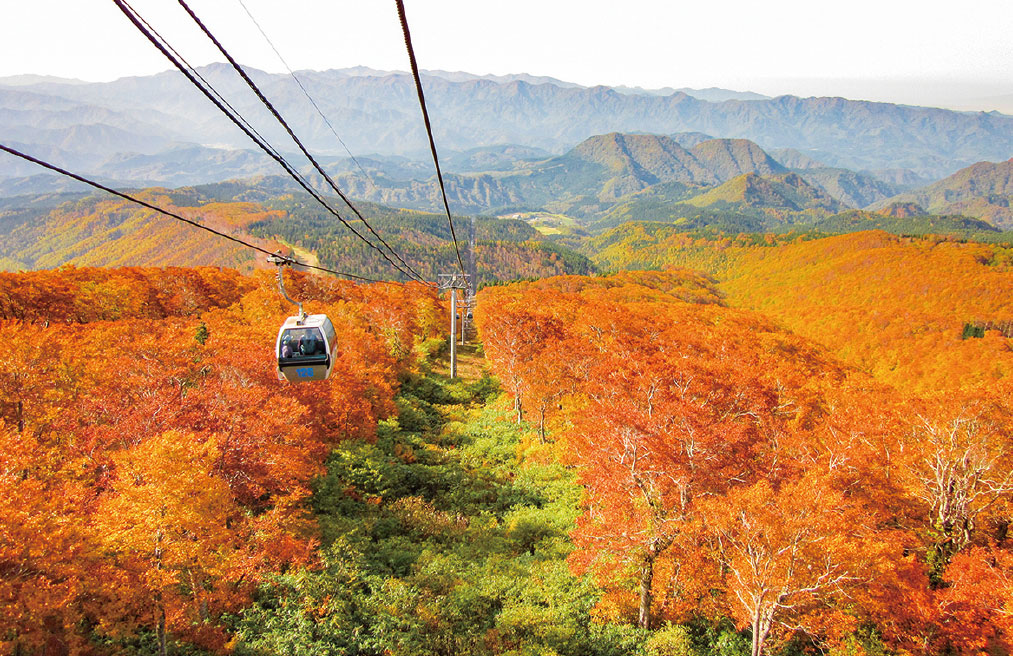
<point x="667" y="472"/>
<point x="97" y="231"/>
<point x="154" y="471"/>
<point x="894" y="306"/>
<point x="504" y="249"/>
<point x="731" y="469"/>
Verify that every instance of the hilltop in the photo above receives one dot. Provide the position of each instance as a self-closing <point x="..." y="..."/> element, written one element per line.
<point x="983" y="190"/>
<point x="641" y="159"/>
<point x="785" y="193"/>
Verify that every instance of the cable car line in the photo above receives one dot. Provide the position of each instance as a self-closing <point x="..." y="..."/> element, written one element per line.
<point x="235" y="114"/>
<point x="138" y="23"/>
<point x="162" y="45"/>
<point x="277" y="115"/>
<point x="306" y="93"/>
<point x="425" y="118"/>
<point x="197" y="73"/>
<point x="133" y="199"/>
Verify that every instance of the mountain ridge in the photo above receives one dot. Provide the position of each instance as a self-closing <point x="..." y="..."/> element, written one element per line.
<point x="983" y="190"/>
<point x="379" y="114"/>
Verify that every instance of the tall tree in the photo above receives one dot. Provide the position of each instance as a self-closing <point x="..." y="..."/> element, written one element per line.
<point x="785" y="549"/>
<point x="513" y="338"/>
<point x="169" y="521"/>
<point x="959" y="463"/>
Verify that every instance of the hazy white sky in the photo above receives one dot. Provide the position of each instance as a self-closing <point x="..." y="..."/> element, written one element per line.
<point x="916" y="51"/>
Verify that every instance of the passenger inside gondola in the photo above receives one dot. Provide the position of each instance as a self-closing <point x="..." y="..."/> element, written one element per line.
<point x="311" y="345"/>
<point x="301" y="342"/>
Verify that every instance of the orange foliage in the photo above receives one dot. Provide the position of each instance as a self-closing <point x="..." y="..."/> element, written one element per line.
<point x="978" y="605"/>
<point x="152" y="468"/>
<point x="85" y="295"/>
<point x="732" y="468"/>
<point x="232" y="215"/>
<point x="893" y="306"/>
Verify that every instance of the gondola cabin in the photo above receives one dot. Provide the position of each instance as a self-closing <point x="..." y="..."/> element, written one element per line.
<point x="305" y="348"/>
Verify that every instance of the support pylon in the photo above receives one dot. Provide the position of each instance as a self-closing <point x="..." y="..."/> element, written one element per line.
<point x="453" y="282"/>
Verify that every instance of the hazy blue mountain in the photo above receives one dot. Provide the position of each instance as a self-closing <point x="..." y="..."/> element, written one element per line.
<point x="377" y="112"/>
<point x="395" y="167"/>
<point x="903" y="179"/>
<point x="39" y="183"/>
<point x="189" y="165"/>
<point x="853" y="189"/>
<point x="461" y="76"/>
<point x="25" y="80"/>
<point x="93" y="139"/>
<point x="710" y="94"/>
<point x="796" y="159"/>
<point x="490" y="158"/>
<point x="716" y="94"/>
<point x="28" y="107"/>
<point x="690" y="139"/>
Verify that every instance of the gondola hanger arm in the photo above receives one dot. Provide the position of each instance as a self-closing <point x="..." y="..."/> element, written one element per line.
<point x="281" y="261"/>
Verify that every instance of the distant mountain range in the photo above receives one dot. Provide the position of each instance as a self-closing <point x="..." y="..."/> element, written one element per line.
<point x="613" y="178"/>
<point x="578" y="160"/>
<point x="103" y="128"/>
<point x="614" y="175"/>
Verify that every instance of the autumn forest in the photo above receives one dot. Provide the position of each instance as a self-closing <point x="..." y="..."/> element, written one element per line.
<point x="771" y="446"/>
